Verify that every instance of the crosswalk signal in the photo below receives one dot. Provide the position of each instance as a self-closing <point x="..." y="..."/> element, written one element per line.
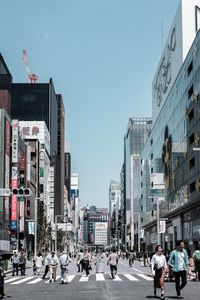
<point x="22" y="192"/>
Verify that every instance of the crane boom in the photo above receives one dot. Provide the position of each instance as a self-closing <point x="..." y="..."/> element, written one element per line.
<point x="32" y="77"/>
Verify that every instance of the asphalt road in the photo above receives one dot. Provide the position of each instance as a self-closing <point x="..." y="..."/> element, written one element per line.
<point x="131" y="283"/>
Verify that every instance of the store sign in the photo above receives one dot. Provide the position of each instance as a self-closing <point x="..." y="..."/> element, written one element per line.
<point x="15" y="141"/>
<point x="162" y="226"/>
<point x="31" y="227"/>
<point x="35" y="130"/>
<point x="14" y="184"/>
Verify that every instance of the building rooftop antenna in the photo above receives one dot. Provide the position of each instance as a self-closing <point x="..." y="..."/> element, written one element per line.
<point x="31" y="76"/>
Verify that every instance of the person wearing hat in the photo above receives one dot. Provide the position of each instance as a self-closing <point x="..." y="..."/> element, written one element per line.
<point x="64" y="262"/>
<point x="53" y="262"/>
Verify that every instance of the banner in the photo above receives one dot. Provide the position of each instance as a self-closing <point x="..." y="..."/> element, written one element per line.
<point x="162" y="226"/>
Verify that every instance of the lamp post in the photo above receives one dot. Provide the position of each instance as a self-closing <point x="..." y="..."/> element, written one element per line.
<point x="56" y="218"/>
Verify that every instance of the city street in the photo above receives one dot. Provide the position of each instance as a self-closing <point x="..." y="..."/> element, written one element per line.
<point x="131" y="283"/>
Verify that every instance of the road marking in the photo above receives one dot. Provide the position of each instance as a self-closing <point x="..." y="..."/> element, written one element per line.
<point x="84" y="278"/>
<point x="52" y="279"/>
<point x="11" y="279"/>
<point x="131" y="267"/>
<point x="35" y="281"/>
<point x="117" y="278"/>
<point x="145" y="277"/>
<point x="23" y="280"/>
<point x="100" y="277"/>
<point x="131" y="277"/>
<point x="70" y="278"/>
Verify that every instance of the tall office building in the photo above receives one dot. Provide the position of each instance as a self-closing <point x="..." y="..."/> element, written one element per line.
<point x="135" y="138"/>
<point x="39" y="102"/>
<point x="114" y="195"/>
<point x="5" y="85"/>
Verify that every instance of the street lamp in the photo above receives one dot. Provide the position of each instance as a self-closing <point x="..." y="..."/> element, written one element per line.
<point x="56" y="218"/>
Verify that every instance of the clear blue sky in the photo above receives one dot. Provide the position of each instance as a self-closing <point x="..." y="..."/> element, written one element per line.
<point x="102" y="56"/>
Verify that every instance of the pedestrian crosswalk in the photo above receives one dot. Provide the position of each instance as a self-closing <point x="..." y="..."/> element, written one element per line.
<point x="30" y="280"/>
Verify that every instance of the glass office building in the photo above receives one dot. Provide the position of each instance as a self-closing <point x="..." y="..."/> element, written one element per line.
<point x="172" y="151"/>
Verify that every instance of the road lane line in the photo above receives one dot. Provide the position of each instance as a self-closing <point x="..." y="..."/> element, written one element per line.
<point x="11" y="279"/>
<point x="117" y="278"/>
<point x="70" y="278"/>
<point x="145" y="277"/>
<point x="23" y="280"/>
<point x="131" y="267"/>
<point x="100" y="277"/>
<point x="35" y="281"/>
<point x="84" y="278"/>
<point x="131" y="277"/>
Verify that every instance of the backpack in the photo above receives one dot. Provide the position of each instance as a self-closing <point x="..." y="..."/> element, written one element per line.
<point x="197" y="256"/>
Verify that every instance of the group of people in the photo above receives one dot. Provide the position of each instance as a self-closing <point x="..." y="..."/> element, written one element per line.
<point x="178" y="263"/>
<point x="18" y="263"/>
<point x="50" y="263"/>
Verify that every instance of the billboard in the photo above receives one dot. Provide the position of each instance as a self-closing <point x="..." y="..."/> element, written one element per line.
<point x="35" y="130"/>
<point x="7" y="166"/>
<point x="182" y="34"/>
<point x="14" y="184"/>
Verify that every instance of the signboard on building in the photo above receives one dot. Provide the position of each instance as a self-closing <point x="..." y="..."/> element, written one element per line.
<point x="183" y="31"/>
<point x="35" y="130"/>
<point x="15" y="145"/>
<point x="162" y="226"/>
<point x="14" y="184"/>
<point x="157" y="181"/>
<point x="101" y="233"/>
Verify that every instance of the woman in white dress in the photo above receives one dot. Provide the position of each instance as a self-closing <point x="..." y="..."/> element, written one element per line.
<point x="39" y="263"/>
<point x="159" y="267"/>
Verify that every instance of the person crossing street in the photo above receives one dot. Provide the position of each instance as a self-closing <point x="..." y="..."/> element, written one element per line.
<point x="53" y="262"/>
<point x="64" y="262"/>
<point x="113" y="262"/>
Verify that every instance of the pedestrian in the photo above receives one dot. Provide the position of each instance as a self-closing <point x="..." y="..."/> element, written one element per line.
<point x="15" y="263"/>
<point x="131" y="258"/>
<point x="22" y="263"/>
<point x="64" y="263"/>
<point x="46" y="263"/>
<point x="159" y="267"/>
<point x="113" y="262"/>
<point x="39" y="263"/>
<point x="145" y="258"/>
<point x="53" y="262"/>
<point x="87" y="261"/>
<point x="2" y="275"/>
<point x="196" y="257"/>
<point x="79" y="260"/>
<point x="179" y="262"/>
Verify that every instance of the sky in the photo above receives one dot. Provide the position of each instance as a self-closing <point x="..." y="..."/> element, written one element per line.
<point x="102" y="56"/>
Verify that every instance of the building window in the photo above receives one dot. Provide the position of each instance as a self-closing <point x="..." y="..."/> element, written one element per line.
<point x="151" y="156"/>
<point x="142" y="208"/>
<point x="191" y="139"/>
<point x="190" y="68"/>
<point x="152" y="213"/>
<point x="141" y="184"/>
<point x="152" y="184"/>
<point x="192" y="187"/>
<point x="192" y="162"/>
<point x="152" y="170"/>
<point x="190" y="92"/>
<point x="151" y="141"/>
<point x="191" y="115"/>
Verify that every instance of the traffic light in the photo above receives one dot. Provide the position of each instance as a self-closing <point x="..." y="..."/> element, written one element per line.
<point x="22" y="192"/>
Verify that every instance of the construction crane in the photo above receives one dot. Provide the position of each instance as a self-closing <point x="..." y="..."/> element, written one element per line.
<point x="31" y="76"/>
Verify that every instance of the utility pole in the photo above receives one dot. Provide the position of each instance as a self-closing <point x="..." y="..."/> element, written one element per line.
<point x="56" y="219"/>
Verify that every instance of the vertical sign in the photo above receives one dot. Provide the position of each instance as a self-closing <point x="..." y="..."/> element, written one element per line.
<point x="162" y="226"/>
<point x="15" y="141"/>
<point x="14" y="199"/>
<point x="7" y="166"/>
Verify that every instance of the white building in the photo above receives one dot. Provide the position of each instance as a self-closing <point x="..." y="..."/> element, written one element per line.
<point x="101" y="233"/>
<point x="114" y="195"/>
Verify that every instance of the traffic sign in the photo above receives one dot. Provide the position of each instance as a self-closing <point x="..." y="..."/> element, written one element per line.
<point x="4" y="192"/>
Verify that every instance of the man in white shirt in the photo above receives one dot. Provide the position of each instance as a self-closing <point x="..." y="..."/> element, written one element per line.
<point x="53" y="262"/>
<point x="64" y="262"/>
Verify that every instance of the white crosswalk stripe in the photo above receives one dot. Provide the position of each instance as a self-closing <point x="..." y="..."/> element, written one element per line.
<point x="131" y="277"/>
<point x="145" y="277"/>
<point x="84" y="278"/>
<point x="22" y="280"/>
<point x="98" y="277"/>
<point x="35" y="281"/>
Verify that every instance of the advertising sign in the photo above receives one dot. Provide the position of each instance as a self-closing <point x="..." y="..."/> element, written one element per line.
<point x="15" y="141"/>
<point x="14" y="184"/>
<point x="35" y="130"/>
<point x="162" y="226"/>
